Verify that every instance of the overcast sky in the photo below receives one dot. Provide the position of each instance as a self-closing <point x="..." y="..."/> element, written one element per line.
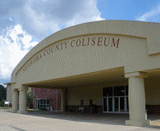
<point x="24" y="23"/>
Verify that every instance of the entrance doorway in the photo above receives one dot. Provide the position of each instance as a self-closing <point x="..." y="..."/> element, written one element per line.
<point x="115" y="99"/>
<point x="42" y="104"/>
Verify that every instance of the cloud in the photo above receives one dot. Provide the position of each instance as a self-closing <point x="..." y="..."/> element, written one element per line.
<point x="8" y="12"/>
<point x="40" y="18"/>
<point x="92" y="14"/>
<point x="23" y="23"/>
<point x="151" y="15"/>
<point x="11" y="52"/>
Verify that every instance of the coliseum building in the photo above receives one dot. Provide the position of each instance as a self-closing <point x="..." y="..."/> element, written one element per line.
<point x="105" y="67"/>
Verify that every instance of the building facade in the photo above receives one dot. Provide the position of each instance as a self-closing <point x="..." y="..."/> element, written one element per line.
<point x="104" y="66"/>
<point x="47" y="99"/>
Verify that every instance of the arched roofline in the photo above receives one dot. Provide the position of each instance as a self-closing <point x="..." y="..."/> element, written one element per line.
<point x="147" y="30"/>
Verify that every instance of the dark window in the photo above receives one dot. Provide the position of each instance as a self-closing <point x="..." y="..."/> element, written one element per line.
<point x="82" y="102"/>
<point x="119" y="91"/>
<point x="47" y="101"/>
<point x="110" y="104"/>
<point x="105" y="104"/>
<point x="90" y="102"/>
<point x="107" y="91"/>
<point x="127" y="90"/>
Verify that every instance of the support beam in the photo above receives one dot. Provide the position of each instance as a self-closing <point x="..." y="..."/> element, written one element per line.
<point x="63" y="100"/>
<point x="15" y="101"/>
<point x="22" y="100"/>
<point x="137" y="100"/>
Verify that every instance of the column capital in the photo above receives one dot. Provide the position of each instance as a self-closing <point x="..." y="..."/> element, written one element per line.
<point x="15" y="90"/>
<point x="23" y="88"/>
<point x="136" y="74"/>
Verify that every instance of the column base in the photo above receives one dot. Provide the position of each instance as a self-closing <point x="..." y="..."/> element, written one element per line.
<point x="22" y="112"/>
<point x="13" y="111"/>
<point x="137" y="123"/>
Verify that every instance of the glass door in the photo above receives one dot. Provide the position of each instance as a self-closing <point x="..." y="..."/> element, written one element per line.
<point x="110" y="104"/>
<point x="104" y="104"/>
<point x="116" y="104"/>
<point x="122" y="104"/>
<point x="37" y="104"/>
<point x="115" y="100"/>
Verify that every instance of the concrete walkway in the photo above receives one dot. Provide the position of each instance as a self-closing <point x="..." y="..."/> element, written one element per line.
<point x="54" y="121"/>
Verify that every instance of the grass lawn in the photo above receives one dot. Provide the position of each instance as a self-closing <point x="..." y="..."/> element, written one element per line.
<point x="33" y="110"/>
<point x="5" y="107"/>
<point x="28" y="109"/>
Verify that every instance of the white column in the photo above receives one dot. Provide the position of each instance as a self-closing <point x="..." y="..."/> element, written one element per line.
<point x="63" y="100"/>
<point x="14" y="101"/>
<point x="136" y="100"/>
<point x="22" y="100"/>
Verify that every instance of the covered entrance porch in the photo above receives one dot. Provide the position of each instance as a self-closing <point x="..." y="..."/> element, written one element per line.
<point x="109" y="90"/>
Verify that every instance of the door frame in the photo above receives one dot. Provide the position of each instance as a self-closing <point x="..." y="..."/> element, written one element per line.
<point x="126" y="110"/>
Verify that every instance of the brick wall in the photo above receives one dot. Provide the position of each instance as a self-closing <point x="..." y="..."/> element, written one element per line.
<point x="53" y="95"/>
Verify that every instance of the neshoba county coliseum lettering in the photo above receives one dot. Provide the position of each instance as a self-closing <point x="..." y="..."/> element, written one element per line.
<point x="99" y="41"/>
<point x="83" y="42"/>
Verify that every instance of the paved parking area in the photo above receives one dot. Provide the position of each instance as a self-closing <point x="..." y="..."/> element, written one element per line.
<point x="55" y="121"/>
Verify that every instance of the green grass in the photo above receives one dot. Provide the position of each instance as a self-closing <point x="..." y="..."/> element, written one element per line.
<point x="33" y="110"/>
<point x="28" y="109"/>
<point x="5" y="107"/>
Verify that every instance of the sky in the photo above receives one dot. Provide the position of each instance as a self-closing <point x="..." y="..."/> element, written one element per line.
<point x="24" y="23"/>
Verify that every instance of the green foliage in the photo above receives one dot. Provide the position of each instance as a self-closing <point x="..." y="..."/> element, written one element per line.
<point x="2" y="93"/>
<point x="30" y="97"/>
<point x="2" y="103"/>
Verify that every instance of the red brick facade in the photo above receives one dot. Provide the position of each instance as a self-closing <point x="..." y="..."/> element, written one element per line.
<point x="53" y="95"/>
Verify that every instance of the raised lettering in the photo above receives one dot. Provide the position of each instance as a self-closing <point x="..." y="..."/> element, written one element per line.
<point x="28" y="64"/>
<point x="111" y="41"/>
<point x="99" y="40"/>
<point x="37" y="57"/>
<point x="40" y="56"/>
<point x="61" y="46"/>
<point x="44" y="53"/>
<point x="114" y="44"/>
<point x="71" y="43"/>
<point x="105" y="41"/>
<point x="51" y="49"/>
<point x="25" y="67"/>
<point x="78" y="44"/>
<point x="66" y="44"/>
<point x="93" y="39"/>
<point x="57" y="47"/>
<point x="31" y="62"/>
<point x="48" y="51"/>
<point x="83" y="42"/>
<point x="88" y="41"/>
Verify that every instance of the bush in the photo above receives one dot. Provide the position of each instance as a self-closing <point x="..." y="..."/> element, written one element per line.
<point x="2" y="103"/>
<point x="2" y="93"/>
<point x="30" y="97"/>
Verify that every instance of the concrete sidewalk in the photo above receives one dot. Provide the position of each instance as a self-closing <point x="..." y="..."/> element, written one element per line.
<point x="51" y="121"/>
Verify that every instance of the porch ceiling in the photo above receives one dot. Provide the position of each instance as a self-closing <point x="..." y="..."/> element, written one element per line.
<point x="82" y="79"/>
<point x="111" y="75"/>
<point x="153" y="73"/>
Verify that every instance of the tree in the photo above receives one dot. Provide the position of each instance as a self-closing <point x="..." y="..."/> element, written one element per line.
<point x="30" y="97"/>
<point x="2" y="93"/>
